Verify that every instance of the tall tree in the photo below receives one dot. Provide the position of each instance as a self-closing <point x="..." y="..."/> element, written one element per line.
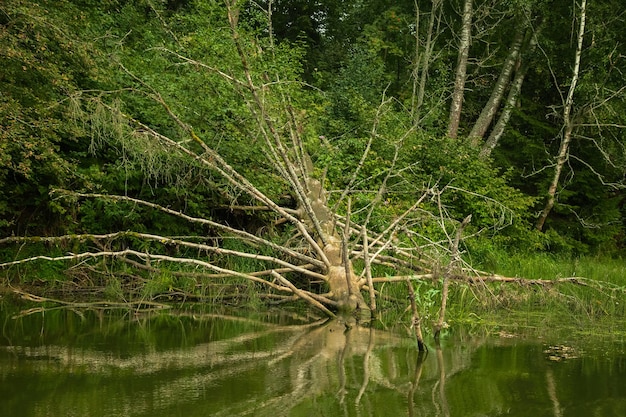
<point x="511" y="101"/>
<point x="493" y="104"/>
<point x="568" y="123"/>
<point x="43" y="61"/>
<point x="458" y="91"/>
<point x="424" y="56"/>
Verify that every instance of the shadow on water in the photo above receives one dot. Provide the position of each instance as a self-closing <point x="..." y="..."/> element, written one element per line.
<point x="192" y="363"/>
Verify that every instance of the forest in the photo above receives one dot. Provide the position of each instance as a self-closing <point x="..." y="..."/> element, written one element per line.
<point x="283" y="150"/>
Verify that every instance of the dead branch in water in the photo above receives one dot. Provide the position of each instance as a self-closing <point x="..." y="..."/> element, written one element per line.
<point x="416" y="321"/>
<point x="313" y="255"/>
<point x="455" y="262"/>
<point x="139" y="305"/>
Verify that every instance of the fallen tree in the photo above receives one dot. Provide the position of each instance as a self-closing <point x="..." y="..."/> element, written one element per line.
<point x="329" y="248"/>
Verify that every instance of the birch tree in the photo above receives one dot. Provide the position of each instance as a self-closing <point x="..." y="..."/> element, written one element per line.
<point x="568" y="123"/>
<point x="461" y="70"/>
<point x="481" y="125"/>
<point x="512" y="99"/>
<point x="424" y="56"/>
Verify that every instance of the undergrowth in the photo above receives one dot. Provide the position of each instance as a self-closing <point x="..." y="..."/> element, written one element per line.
<point x="598" y="293"/>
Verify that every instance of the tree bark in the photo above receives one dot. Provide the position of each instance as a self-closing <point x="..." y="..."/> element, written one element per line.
<point x="422" y="62"/>
<point x="493" y="104"/>
<point x="505" y="115"/>
<point x="461" y="71"/>
<point x="455" y="260"/>
<point x="416" y="321"/>
<point x="368" y="271"/>
<point x="511" y="101"/>
<point x="417" y="60"/>
<point x="568" y="127"/>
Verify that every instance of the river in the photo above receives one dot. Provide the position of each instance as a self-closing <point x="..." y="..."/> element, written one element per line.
<point x="191" y="362"/>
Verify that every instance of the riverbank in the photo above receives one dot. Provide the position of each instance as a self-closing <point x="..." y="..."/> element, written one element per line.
<point x="584" y="293"/>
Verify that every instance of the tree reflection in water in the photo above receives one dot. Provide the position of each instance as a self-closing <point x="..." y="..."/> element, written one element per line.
<point x="202" y="365"/>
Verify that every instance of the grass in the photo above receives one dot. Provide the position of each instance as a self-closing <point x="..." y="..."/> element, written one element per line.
<point x="549" y="266"/>
<point x="595" y="302"/>
<point x="598" y="296"/>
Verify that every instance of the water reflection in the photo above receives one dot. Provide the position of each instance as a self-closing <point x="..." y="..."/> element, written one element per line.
<point x="191" y="364"/>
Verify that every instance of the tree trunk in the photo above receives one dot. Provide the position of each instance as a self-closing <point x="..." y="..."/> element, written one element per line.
<point x="417" y="60"/>
<point x="505" y="116"/>
<point x="567" y="121"/>
<point x="461" y="71"/>
<point x="308" y="257"/>
<point x="493" y="104"/>
<point x="453" y="266"/>
<point x="422" y="63"/>
<point x="511" y="101"/>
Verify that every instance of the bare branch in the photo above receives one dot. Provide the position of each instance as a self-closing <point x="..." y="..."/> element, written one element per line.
<point x="303" y="294"/>
<point x="368" y="271"/>
<point x="210" y="223"/>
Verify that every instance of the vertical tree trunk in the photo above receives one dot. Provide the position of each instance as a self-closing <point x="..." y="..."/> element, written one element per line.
<point x="493" y="104"/>
<point x="567" y="121"/>
<point x="461" y="71"/>
<point x="455" y="261"/>
<point x="511" y="100"/>
<point x="368" y="270"/>
<point x="422" y="63"/>
<point x="416" y="322"/>
<point x="417" y="60"/>
<point x="505" y="115"/>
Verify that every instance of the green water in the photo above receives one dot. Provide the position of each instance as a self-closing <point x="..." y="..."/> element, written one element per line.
<point x="185" y="363"/>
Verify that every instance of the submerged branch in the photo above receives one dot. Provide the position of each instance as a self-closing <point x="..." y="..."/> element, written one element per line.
<point x="102" y="305"/>
<point x="416" y="320"/>
<point x="481" y="279"/>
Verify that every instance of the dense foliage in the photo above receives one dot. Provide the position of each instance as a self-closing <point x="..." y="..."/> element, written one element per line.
<point x="355" y="68"/>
